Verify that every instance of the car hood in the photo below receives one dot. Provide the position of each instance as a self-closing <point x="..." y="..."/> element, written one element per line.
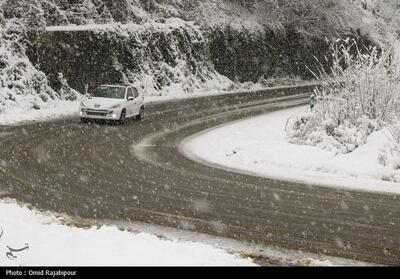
<point x="102" y="103"/>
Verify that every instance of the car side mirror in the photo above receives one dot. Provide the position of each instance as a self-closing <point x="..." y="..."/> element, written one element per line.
<point x="130" y="98"/>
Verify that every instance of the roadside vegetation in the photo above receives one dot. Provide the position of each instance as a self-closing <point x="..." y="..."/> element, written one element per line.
<point x="359" y="95"/>
<point x="22" y="85"/>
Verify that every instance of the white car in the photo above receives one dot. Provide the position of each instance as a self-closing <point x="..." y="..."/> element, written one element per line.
<point x="112" y="102"/>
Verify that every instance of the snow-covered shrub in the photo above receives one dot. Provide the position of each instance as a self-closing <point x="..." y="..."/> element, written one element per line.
<point x="359" y="84"/>
<point x="394" y="129"/>
<point x="65" y="91"/>
<point x="389" y="156"/>
<point x="358" y="95"/>
<point x="309" y="129"/>
<point x="22" y="86"/>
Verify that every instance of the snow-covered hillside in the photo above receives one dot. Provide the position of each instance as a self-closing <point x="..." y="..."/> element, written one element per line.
<point x="163" y="58"/>
<point x="172" y="46"/>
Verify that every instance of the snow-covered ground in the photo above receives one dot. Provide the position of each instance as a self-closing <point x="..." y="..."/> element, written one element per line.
<point x="258" y="146"/>
<point x="51" y="110"/>
<point x="49" y="243"/>
<point x="45" y="240"/>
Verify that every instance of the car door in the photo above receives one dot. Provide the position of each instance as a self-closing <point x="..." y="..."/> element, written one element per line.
<point x="137" y="100"/>
<point x="130" y="108"/>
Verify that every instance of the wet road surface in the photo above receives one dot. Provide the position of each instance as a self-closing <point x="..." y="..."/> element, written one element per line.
<point x="135" y="172"/>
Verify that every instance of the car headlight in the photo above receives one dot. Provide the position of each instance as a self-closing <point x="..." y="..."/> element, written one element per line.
<point x="83" y="104"/>
<point x="115" y="106"/>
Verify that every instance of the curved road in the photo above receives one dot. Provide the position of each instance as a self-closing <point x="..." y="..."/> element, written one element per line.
<point x="136" y="172"/>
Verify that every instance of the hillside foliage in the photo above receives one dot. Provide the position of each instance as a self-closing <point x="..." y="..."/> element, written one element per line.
<point x="210" y="44"/>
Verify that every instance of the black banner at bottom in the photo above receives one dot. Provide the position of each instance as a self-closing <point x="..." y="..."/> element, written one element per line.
<point x="90" y="272"/>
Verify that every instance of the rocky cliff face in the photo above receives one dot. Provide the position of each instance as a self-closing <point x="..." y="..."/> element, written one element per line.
<point x="170" y="55"/>
<point x="175" y="55"/>
<point x="167" y="46"/>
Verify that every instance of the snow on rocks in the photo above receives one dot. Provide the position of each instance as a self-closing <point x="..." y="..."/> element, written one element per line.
<point x="24" y="91"/>
<point x="259" y="146"/>
<point x="168" y="25"/>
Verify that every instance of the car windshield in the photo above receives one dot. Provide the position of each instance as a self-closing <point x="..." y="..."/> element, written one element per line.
<point x="113" y="92"/>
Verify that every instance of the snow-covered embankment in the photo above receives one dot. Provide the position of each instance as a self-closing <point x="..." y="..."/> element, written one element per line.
<point x="259" y="146"/>
<point x="46" y="242"/>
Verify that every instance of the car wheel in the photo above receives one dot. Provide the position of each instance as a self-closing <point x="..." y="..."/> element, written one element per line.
<point x="122" y="119"/>
<point x="140" y="117"/>
<point x="84" y="120"/>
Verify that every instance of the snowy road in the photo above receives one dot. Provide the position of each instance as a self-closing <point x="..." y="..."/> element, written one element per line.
<point x="136" y="173"/>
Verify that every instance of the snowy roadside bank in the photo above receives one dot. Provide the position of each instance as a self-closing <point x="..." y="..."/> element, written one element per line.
<point x="258" y="146"/>
<point x="49" y="243"/>
<point x="198" y="94"/>
<point x="56" y="109"/>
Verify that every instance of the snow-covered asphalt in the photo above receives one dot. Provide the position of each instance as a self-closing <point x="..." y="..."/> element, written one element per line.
<point x="136" y="173"/>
